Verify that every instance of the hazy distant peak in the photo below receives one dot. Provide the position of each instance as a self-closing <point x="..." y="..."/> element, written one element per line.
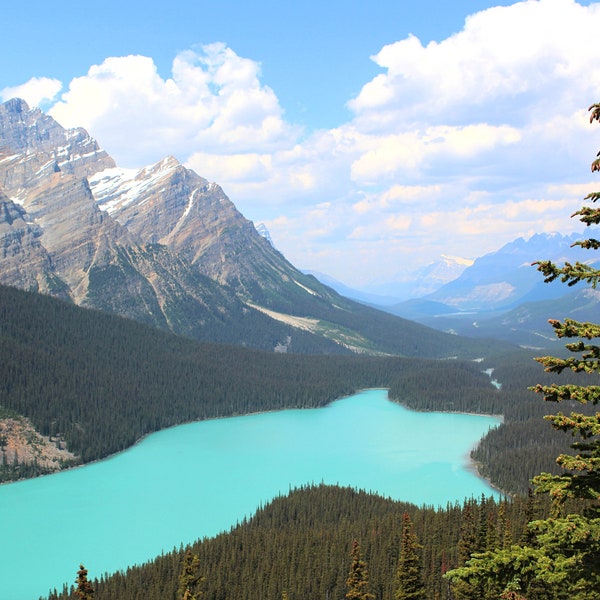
<point x="262" y="230"/>
<point x="467" y="262"/>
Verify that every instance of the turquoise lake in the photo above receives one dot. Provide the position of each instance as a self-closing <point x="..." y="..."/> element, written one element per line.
<point x="197" y="480"/>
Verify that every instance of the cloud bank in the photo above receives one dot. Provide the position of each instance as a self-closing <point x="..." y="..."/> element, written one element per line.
<point x="456" y="147"/>
<point x="213" y="100"/>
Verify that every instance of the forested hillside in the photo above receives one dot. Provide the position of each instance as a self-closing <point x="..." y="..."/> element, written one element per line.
<point x="299" y="547"/>
<point x="100" y="382"/>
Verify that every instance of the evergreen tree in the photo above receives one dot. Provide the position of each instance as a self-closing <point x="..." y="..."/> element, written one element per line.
<point x="562" y="555"/>
<point x="409" y="583"/>
<point x="467" y="543"/>
<point x="189" y="578"/>
<point x="357" y="582"/>
<point x="84" y="590"/>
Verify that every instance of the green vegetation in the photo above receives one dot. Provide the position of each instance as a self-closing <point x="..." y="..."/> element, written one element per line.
<point x="300" y="545"/>
<point x="101" y="382"/>
<point x="357" y="582"/>
<point x="84" y="589"/>
<point x="189" y="578"/>
<point x="560" y="558"/>
<point x="409" y="583"/>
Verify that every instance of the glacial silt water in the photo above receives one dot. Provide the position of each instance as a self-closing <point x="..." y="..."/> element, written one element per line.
<point x="197" y="480"/>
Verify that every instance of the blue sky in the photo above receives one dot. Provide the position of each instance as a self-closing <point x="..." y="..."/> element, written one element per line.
<point x="370" y="137"/>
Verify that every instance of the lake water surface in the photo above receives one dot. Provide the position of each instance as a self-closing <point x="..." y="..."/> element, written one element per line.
<point x="197" y="480"/>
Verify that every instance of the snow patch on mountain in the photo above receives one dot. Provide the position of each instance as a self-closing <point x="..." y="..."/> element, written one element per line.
<point x="306" y="289"/>
<point x="117" y="188"/>
<point x="457" y="260"/>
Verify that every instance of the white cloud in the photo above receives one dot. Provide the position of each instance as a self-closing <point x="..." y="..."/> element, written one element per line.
<point x="456" y="147"/>
<point x="213" y="100"/>
<point x="232" y="168"/>
<point x="408" y="154"/>
<point x="524" y="56"/>
<point x="36" y="92"/>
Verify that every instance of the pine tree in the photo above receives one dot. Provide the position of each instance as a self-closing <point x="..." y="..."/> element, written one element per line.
<point x="560" y="557"/>
<point x="357" y="582"/>
<point x="189" y="578"/>
<point x="84" y="589"/>
<point x="409" y="583"/>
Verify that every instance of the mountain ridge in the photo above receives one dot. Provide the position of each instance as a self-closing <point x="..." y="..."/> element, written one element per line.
<point x="165" y="246"/>
<point x="504" y="296"/>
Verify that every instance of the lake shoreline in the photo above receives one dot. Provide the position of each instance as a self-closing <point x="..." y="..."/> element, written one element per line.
<point x="470" y="464"/>
<point x="220" y="471"/>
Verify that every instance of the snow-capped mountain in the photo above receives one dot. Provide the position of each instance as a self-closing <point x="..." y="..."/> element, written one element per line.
<point x="504" y="296"/>
<point x="165" y="246"/>
<point x="405" y="284"/>
<point x="506" y="278"/>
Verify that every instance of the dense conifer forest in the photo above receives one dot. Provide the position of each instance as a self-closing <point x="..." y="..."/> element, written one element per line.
<point x="299" y="546"/>
<point x="100" y="382"/>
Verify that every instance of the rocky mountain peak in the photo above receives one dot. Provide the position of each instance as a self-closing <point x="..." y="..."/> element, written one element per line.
<point x="33" y="143"/>
<point x="169" y="204"/>
<point x="159" y="244"/>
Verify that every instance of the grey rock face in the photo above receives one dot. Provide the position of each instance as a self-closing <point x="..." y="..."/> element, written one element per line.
<point x="171" y="205"/>
<point x="32" y="145"/>
<point x="154" y="245"/>
<point x="24" y="260"/>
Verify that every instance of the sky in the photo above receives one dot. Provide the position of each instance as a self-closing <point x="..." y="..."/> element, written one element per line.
<point x="371" y="138"/>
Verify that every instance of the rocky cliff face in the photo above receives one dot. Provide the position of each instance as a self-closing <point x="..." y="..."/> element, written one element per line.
<point x="171" y="205"/>
<point x="32" y="145"/>
<point x="25" y="262"/>
<point x="73" y="191"/>
<point x="55" y="238"/>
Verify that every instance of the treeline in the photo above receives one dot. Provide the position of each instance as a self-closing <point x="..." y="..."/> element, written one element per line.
<point x="300" y="545"/>
<point x="15" y="470"/>
<point x="101" y="382"/>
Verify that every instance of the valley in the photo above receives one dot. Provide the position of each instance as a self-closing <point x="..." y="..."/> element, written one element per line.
<point x="164" y="246"/>
<point x="133" y="301"/>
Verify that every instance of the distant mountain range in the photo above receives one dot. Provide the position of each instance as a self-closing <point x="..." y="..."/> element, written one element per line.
<point x="502" y="294"/>
<point x="164" y="246"/>
<point x="420" y="282"/>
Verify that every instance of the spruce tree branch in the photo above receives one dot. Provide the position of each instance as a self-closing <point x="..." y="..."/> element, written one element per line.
<point x="577" y="393"/>
<point x="553" y="364"/>
<point x="590" y="244"/>
<point x="588" y="215"/>
<point x="571" y="328"/>
<point x="584" y="425"/>
<point x="593" y="196"/>
<point x="570" y="274"/>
